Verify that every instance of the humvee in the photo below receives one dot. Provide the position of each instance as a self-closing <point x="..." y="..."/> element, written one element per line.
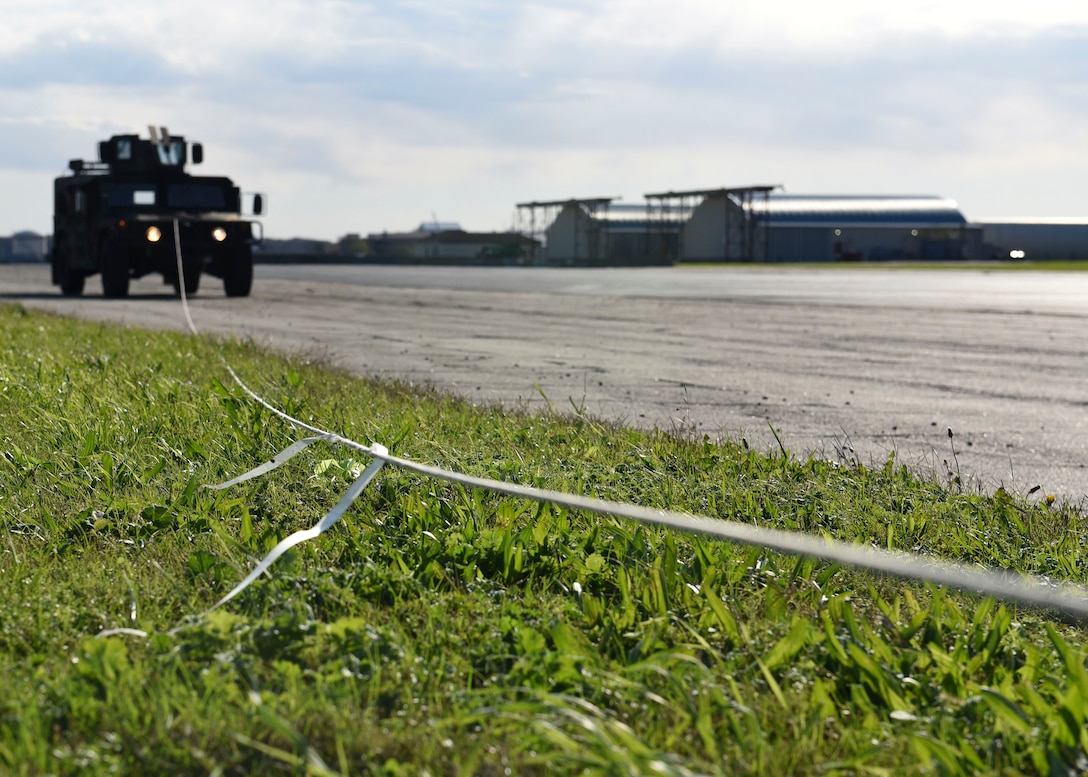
<point x="131" y="212"/>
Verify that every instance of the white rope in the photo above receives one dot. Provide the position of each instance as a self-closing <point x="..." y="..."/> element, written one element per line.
<point x="181" y="279"/>
<point x="1033" y="590"/>
<point x="299" y="537"/>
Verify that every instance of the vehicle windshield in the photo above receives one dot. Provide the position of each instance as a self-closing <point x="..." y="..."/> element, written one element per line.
<point x="172" y="153"/>
<point x="128" y="194"/>
<point x="205" y="196"/>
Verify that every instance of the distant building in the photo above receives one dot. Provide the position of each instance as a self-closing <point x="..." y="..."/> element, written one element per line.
<point x="295" y="250"/>
<point x="719" y="225"/>
<point x="749" y="224"/>
<point x="826" y="228"/>
<point x="1035" y="239"/>
<point x="598" y="231"/>
<point x="24" y="247"/>
<point x="447" y="243"/>
<point x="293" y="247"/>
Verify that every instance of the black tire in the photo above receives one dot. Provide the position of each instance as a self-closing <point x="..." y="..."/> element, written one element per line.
<point x="191" y="271"/>
<point x="115" y="271"/>
<point x="70" y="281"/>
<point x="238" y="273"/>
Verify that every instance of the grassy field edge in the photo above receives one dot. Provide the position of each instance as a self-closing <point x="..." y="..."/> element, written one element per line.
<point x="444" y="631"/>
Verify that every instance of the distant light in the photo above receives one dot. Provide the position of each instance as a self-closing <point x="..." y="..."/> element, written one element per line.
<point x="838" y="232"/>
<point x="219" y="234"/>
<point x="1017" y="253"/>
<point x="914" y="233"/>
<point x="154" y="234"/>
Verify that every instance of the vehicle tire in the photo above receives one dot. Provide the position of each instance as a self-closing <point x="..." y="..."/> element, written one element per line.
<point x="238" y="273"/>
<point x="115" y="271"/>
<point x="70" y="281"/>
<point x="191" y="272"/>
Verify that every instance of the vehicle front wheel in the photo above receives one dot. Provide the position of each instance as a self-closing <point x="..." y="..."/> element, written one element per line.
<point x="238" y="273"/>
<point x="70" y="281"/>
<point x="191" y="273"/>
<point x="115" y="272"/>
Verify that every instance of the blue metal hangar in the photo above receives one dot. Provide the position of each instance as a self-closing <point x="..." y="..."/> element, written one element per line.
<point x="826" y="228"/>
<point x="758" y="223"/>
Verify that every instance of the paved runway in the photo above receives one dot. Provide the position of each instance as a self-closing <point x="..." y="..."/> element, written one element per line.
<point x="843" y="362"/>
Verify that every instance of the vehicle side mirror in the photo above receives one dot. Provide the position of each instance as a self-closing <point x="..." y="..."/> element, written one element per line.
<point x="258" y="204"/>
<point x="198" y="153"/>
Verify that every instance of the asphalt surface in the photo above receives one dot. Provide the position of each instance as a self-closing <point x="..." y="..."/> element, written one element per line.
<point x="843" y="363"/>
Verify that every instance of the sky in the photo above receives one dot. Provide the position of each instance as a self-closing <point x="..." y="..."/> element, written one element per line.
<point x="366" y="117"/>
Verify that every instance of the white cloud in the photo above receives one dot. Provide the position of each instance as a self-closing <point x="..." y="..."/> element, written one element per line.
<point x="774" y="25"/>
<point x="379" y="112"/>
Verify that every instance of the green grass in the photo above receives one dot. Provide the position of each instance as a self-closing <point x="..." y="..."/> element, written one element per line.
<point x="441" y="631"/>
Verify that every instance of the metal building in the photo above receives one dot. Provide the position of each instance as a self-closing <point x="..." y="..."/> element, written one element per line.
<point x="749" y="224"/>
<point x="826" y="228"/>
<point x="597" y="231"/>
<point x="719" y="225"/>
<point x="25" y="246"/>
<point x="447" y="243"/>
<point x="1035" y="239"/>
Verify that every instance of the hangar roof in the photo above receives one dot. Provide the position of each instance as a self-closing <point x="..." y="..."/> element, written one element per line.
<point x="631" y="217"/>
<point x="868" y="210"/>
<point x="721" y="191"/>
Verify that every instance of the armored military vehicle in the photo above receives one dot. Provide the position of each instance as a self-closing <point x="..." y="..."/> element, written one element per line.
<point x="117" y="216"/>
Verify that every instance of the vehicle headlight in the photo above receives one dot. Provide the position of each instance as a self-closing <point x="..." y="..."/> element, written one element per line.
<point x="219" y="234"/>
<point x="154" y="234"/>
